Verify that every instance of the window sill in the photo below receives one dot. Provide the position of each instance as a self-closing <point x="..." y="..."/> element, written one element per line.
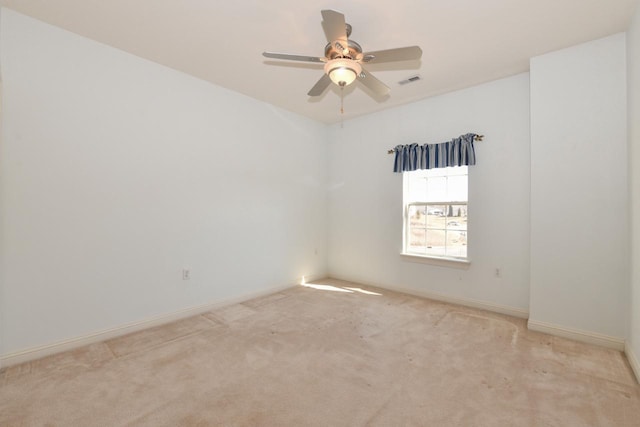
<point x="439" y="261"/>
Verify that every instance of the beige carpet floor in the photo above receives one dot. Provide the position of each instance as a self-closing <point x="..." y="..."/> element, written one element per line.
<point x="338" y="354"/>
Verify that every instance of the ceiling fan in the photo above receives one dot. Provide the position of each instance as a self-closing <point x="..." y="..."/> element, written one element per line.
<point x="343" y="58"/>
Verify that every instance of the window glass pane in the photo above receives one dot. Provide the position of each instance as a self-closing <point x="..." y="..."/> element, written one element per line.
<point x="437" y="171"/>
<point x="435" y="242"/>
<point x="417" y="189"/>
<point x="417" y="233"/>
<point x="417" y="240"/>
<point x="457" y="188"/>
<point x="458" y="219"/>
<point x="436" y="189"/>
<point x="456" y="243"/>
<point x="436" y="216"/>
<point x="417" y="216"/>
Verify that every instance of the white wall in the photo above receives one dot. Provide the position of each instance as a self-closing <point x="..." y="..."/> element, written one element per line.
<point x="115" y="173"/>
<point x="633" y="93"/>
<point x="365" y="196"/>
<point x="579" y="189"/>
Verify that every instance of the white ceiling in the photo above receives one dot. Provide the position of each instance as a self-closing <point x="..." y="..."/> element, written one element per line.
<point x="464" y="42"/>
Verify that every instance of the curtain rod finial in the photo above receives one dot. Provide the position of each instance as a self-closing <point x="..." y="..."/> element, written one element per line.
<point x="391" y="151"/>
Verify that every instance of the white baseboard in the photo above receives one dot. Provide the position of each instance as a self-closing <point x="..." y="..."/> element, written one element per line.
<point x="70" y="344"/>
<point x="577" y="335"/>
<point x="633" y="360"/>
<point x="483" y="305"/>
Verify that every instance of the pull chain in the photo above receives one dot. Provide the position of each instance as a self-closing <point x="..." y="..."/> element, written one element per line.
<point x="342" y="106"/>
<point x="342" y="85"/>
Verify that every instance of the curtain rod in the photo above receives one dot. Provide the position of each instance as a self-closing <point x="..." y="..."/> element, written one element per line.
<point x="475" y="138"/>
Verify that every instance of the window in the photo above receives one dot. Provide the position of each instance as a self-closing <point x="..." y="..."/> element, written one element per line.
<point x="435" y="212"/>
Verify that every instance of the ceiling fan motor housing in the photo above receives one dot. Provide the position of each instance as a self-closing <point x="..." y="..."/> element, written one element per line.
<point x="354" y="51"/>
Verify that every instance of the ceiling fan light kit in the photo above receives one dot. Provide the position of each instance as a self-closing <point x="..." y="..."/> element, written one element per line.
<point x="343" y="58"/>
<point x="342" y="71"/>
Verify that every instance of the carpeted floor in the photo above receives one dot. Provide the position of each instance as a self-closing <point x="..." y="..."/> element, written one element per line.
<point x="337" y="354"/>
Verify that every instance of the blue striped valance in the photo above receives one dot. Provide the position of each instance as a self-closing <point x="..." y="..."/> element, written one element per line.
<point x="457" y="152"/>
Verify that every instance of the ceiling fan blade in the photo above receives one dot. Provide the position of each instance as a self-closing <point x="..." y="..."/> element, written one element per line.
<point x="320" y="86"/>
<point x="335" y="27"/>
<point x="372" y="83"/>
<point x="290" y="57"/>
<point x="399" y="54"/>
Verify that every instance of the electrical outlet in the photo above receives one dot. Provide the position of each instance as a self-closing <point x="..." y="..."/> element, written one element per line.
<point x="498" y="272"/>
<point x="186" y="274"/>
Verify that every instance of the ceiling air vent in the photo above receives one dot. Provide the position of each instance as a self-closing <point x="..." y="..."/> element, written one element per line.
<point x="410" y="80"/>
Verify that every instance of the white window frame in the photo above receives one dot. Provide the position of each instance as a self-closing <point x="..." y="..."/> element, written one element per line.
<point x="441" y="260"/>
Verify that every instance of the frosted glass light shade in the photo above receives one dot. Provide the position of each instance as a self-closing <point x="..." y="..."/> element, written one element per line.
<point x="342" y="71"/>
